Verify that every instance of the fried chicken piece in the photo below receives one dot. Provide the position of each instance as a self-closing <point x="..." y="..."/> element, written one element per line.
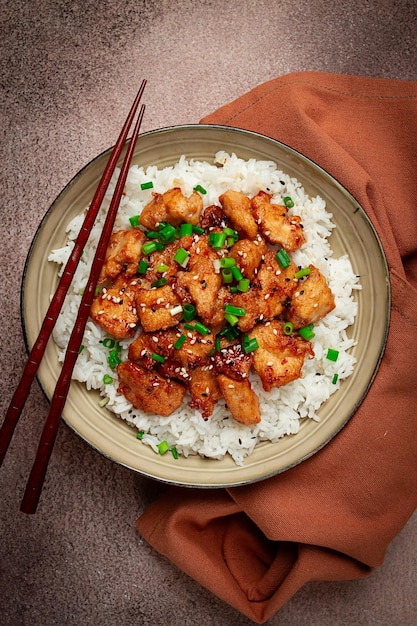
<point x="213" y="217"/>
<point x="232" y="361"/>
<point x="275" y="223"/>
<point x="269" y="293"/>
<point x="114" y="309"/>
<point x="241" y="399"/>
<point x="204" y="390"/>
<point x="248" y="255"/>
<point x="200" y="281"/>
<point x="237" y="208"/>
<point x="149" y="391"/>
<point x="279" y="358"/>
<point x="312" y="300"/>
<point x="166" y="257"/>
<point x="192" y="353"/>
<point x="122" y="254"/>
<point x="173" y="207"/>
<point x="154" y="307"/>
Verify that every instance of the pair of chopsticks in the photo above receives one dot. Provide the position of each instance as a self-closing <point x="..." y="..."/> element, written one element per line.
<point x="37" y="476"/>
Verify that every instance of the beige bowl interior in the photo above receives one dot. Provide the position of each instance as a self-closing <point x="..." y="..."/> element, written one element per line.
<point x="354" y="235"/>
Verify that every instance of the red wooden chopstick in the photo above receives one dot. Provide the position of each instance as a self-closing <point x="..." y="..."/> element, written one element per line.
<point x="36" y="354"/>
<point x="48" y="436"/>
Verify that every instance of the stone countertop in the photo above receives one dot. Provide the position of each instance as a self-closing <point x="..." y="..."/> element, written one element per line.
<point x="69" y="71"/>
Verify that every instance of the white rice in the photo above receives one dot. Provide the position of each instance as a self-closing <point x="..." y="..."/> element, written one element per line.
<point x="281" y="409"/>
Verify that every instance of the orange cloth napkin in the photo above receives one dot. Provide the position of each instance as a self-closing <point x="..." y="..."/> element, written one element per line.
<point x="333" y="516"/>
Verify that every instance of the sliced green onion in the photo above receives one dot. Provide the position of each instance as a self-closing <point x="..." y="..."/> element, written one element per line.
<point x="108" y="342"/>
<point x="287" y="328"/>
<point x="335" y="379"/>
<point x="200" y="328"/>
<point x="80" y="349"/>
<point x="217" y="343"/>
<point x="229" y="332"/>
<point x="143" y="266"/>
<point x="114" y="359"/>
<point x="163" y="447"/>
<point x="107" y="380"/>
<point x="307" y="332"/>
<point x="188" y="312"/>
<point x="231" y="233"/>
<point x="180" y="341"/>
<point x="283" y="258"/>
<point x="332" y="355"/>
<point x="200" y="189"/>
<point x="167" y="234"/>
<point x="289" y="202"/>
<point x="152" y="234"/>
<point x="160" y="282"/>
<point x="162" y="268"/>
<point x="231" y="319"/>
<point x="148" y="185"/>
<point x="189" y="326"/>
<point x="158" y="357"/>
<point x="140" y="434"/>
<point x="186" y="230"/>
<point x="198" y="230"/>
<point x="134" y="220"/>
<point x="243" y="284"/>
<point x="237" y="274"/>
<point x="174" y="452"/>
<point x="227" y="261"/>
<point x="234" y="310"/>
<point x="181" y="255"/>
<point x="217" y="240"/>
<point x="103" y="402"/>
<point x="149" y="247"/>
<point x="305" y="271"/>
<point x="249" y="345"/>
<point x="227" y="275"/>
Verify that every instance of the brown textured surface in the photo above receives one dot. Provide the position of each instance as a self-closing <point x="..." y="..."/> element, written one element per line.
<point x="68" y="74"/>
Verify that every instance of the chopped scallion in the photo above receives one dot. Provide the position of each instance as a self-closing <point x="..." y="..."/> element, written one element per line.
<point x="186" y="230"/>
<point x="162" y="268"/>
<point x="217" y="240"/>
<point x="335" y="379"/>
<point x="140" y="434"/>
<point x="287" y="328"/>
<point x="305" y="271"/>
<point x="180" y="341"/>
<point x="160" y="282"/>
<point x="198" y="230"/>
<point x="283" y="258"/>
<point x="149" y="247"/>
<point x="332" y="355"/>
<point x="181" y="255"/>
<point x="107" y="380"/>
<point x="174" y="452"/>
<point x="231" y="319"/>
<point x="250" y="344"/>
<point x="237" y="274"/>
<point x="307" y="332"/>
<point x="143" y="266"/>
<point x="148" y="185"/>
<point x="200" y="189"/>
<point x="200" y="328"/>
<point x="243" y="284"/>
<point x="134" y="220"/>
<point x="227" y="261"/>
<point x="227" y="275"/>
<point x="167" y="234"/>
<point x="108" y="342"/>
<point x="163" y="447"/>
<point x="188" y="312"/>
<point x="234" y="310"/>
<point x="158" y="357"/>
<point x="289" y="202"/>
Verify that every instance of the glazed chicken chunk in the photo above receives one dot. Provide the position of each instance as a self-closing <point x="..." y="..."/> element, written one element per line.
<point x="312" y="300"/>
<point x="156" y="307"/>
<point x="200" y="281"/>
<point x="275" y="223"/>
<point x="204" y="390"/>
<point x="149" y="391"/>
<point x="114" y="309"/>
<point x="172" y="207"/>
<point x="237" y="208"/>
<point x="248" y="255"/>
<point x="279" y="358"/>
<point x="241" y="399"/>
<point x="123" y="254"/>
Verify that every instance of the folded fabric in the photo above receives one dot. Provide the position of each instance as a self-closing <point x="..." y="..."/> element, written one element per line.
<point x="332" y="516"/>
